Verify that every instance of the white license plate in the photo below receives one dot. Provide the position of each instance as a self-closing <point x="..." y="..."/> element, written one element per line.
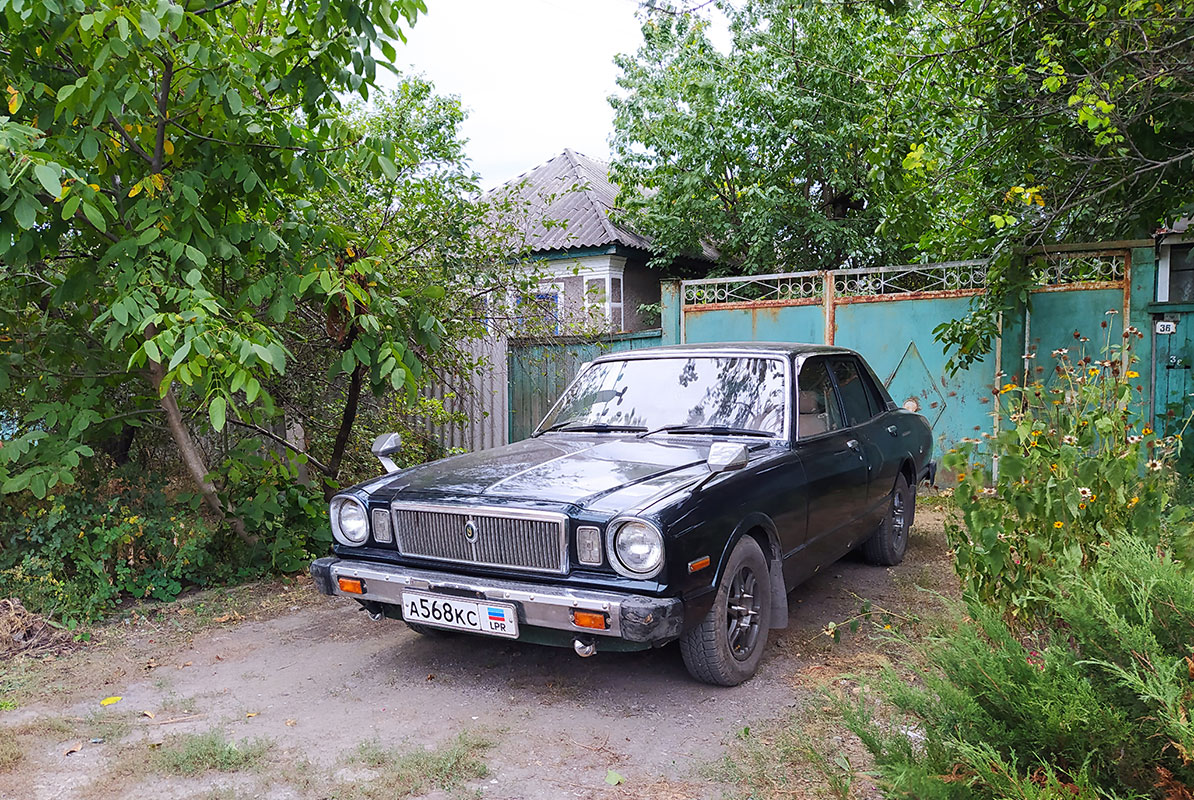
<point x="496" y="619"/>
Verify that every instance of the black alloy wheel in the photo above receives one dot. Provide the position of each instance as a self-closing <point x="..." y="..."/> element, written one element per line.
<point x="726" y="647"/>
<point x="889" y="543"/>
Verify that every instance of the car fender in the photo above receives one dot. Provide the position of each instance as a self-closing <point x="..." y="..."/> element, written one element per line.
<point x="779" y="590"/>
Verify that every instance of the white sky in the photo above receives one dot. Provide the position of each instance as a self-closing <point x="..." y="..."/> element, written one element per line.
<point x="534" y="75"/>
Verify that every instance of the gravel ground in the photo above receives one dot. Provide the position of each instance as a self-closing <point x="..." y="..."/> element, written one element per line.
<point x="315" y="678"/>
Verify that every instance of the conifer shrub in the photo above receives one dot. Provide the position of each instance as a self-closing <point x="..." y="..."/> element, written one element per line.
<point x="1068" y="671"/>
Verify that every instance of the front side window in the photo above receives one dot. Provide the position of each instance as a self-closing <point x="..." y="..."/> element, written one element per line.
<point x="817" y="410"/>
<point x="741" y="393"/>
<point x="853" y="391"/>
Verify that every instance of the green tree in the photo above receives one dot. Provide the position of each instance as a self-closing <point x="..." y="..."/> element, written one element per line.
<point x="1009" y="125"/>
<point x="156" y="236"/>
<point x="759" y="152"/>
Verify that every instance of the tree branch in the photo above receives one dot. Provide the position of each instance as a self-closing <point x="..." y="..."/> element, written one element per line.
<point x="284" y="442"/>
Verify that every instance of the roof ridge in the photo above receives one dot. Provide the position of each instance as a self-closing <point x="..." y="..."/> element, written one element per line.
<point x="606" y="225"/>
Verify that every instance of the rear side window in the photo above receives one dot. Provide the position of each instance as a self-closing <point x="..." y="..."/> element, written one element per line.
<point x="854" y="391"/>
<point x="817" y="410"/>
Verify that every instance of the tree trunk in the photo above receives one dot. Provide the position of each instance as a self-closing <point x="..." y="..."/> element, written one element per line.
<point x="341" y="443"/>
<point x="192" y="459"/>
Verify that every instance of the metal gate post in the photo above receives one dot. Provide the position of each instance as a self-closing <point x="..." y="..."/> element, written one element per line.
<point x="830" y="309"/>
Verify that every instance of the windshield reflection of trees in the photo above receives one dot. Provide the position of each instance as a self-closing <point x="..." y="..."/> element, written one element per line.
<point x="734" y="392"/>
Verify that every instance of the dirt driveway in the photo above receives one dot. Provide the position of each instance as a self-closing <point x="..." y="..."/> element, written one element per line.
<point x="310" y="699"/>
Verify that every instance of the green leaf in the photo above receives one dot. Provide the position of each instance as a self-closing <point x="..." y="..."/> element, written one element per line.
<point x="196" y="256"/>
<point x="613" y="778"/>
<point x="151" y="350"/>
<point x="194" y="278"/>
<point x="388" y="168"/>
<point x="217" y="411"/>
<point x="25" y="213"/>
<point x="234" y="102"/>
<point x="148" y="235"/>
<point x="179" y="354"/>
<point x="150" y="25"/>
<point x="94" y="217"/>
<point x="48" y="175"/>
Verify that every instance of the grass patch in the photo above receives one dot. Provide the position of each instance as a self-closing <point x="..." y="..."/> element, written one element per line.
<point x="111" y="726"/>
<point x="403" y="774"/>
<point x="11" y="753"/>
<point x="803" y="755"/>
<point x="191" y="754"/>
<point x="45" y="726"/>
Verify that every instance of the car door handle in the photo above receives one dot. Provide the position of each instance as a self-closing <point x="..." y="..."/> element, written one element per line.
<point x="893" y="430"/>
<point x="852" y="444"/>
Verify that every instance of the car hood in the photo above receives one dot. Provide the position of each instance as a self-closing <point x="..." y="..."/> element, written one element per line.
<point x="598" y="472"/>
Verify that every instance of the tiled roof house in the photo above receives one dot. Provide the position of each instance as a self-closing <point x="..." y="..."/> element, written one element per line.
<point x="590" y="263"/>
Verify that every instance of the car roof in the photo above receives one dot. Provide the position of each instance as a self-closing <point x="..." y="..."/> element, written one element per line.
<point x="787" y="349"/>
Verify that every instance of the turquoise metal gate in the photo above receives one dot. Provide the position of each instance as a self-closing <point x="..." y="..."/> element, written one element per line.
<point x="888" y="314"/>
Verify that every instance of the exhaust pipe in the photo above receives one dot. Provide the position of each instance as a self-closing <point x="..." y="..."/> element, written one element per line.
<point x="375" y="610"/>
<point x="583" y="648"/>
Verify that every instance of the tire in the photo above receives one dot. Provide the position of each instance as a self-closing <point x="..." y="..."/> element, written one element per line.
<point x="723" y="650"/>
<point x="428" y="630"/>
<point x="889" y="543"/>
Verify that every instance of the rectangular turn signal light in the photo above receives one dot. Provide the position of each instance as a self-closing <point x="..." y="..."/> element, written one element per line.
<point x="351" y="585"/>
<point x="589" y="619"/>
<point x="698" y="565"/>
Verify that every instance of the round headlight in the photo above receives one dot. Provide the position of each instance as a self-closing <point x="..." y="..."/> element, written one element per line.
<point x="639" y="547"/>
<point x="350" y="523"/>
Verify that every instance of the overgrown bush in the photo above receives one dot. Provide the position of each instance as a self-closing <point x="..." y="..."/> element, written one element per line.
<point x="1069" y="672"/>
<point x="122" y="534"/>
<point x="75" y="553"/>
<point x="1074" y="464"/>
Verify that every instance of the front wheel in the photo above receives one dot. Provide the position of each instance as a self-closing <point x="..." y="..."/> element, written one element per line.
<point x="725" y="649"/>
<point x="887" y="546"/>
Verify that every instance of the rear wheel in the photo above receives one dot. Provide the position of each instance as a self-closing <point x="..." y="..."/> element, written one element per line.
<point x="887" y="546"/>
<point x="725" y="649"/>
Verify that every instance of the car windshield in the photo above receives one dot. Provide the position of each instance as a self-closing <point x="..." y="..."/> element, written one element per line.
<point x="738" y="393"/>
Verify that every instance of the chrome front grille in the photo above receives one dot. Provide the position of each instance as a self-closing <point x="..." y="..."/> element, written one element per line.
<point x="497" y="537"/>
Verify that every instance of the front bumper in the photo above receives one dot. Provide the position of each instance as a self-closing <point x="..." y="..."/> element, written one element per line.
<point x="633" y="618"/>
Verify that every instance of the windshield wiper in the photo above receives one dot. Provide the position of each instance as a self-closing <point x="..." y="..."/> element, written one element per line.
<point x="719" y="430"/>
<point x="587" y="427"/>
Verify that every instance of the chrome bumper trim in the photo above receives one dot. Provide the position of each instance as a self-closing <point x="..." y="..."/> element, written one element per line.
<point x="650" y="618"/>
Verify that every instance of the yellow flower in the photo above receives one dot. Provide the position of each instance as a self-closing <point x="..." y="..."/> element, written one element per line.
<point x="1132" y="373"/>
<point x="961" y="476"/>
<point x="1082" y="505"/>
<point x="1058" y="524"/>
<point x="1133" y="502"/>
<point x="1147" y="430"/>
<point x="1092" y="371"/>
<point x="1007" y="387"/>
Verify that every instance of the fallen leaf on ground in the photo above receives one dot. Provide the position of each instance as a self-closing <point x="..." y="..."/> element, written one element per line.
<point x="290" y="723"/>
<point x="613" y="778"/>
<point x="251" y="714"/>
<point x="183" y="666"/>
<point x="147" y="714"/>
<point x="74" y="748"/>
<point x="107" y="701"/>
<point x="150" y="664"/>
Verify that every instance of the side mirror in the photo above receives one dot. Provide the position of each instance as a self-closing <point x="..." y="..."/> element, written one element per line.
<point x="385" y="446"/>
<point x="727" y="457"/>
